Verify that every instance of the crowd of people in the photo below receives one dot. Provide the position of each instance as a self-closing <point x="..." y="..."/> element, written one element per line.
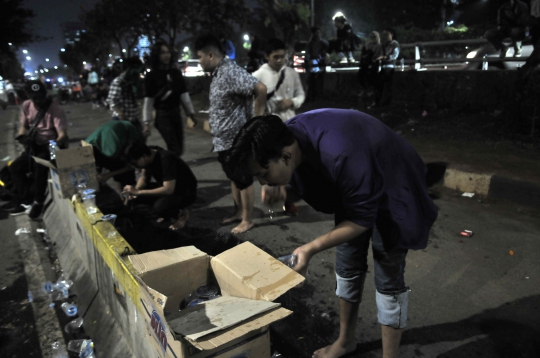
<point x="339" y="161"/>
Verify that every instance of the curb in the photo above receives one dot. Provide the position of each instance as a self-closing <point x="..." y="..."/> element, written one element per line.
<point x="494" y="186"/>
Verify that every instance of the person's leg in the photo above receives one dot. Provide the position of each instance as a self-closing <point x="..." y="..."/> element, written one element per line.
<point x="392" y="296"/>
<point x="21" y="182"/>
<point x="495" y="37"/>
<point x="517" y="34"/>
<point x="41" y="174"/>
<point x="169" y="125"/>
<point x="351" y="267"/>
<point x="244" y="200"/>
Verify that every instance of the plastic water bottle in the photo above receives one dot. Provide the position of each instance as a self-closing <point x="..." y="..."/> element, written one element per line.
<point x="58" y="351"/>
<point x="84" y="347"/>
<point x="74" y="326"/>
<point x="69" y="309"/>
<point x="485" y="64"/>
<point x="52" y="150"/>
<point x="289" y="260"/>
<point x="402" y="64"/>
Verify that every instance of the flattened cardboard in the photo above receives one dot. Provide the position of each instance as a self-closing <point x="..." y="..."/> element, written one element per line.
<point x="215" y="315"/>
<point x="249" y="272"/>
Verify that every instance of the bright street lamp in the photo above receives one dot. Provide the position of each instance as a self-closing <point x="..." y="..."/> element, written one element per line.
<point x="62" y="50"/>
<point x="28" y="58"/>
<point x="25" y="51"/>
<point x="124" y="51"/>
<point x="47" y="60"/>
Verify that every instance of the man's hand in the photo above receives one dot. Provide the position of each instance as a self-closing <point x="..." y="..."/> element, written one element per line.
<point x="104" y="177"/>
<point x="273" y="194"/>
<point x="285" y="104"/>
<point x="304" y="256"/>
<point x="131" y="191"/>
<point x="193" y="120"/>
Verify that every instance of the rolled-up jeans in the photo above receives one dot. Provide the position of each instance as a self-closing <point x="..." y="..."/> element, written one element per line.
<point x="389" y="268"/>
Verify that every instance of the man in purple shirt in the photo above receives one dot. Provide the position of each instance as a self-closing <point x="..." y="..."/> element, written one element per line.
<point x="350" y="164"/>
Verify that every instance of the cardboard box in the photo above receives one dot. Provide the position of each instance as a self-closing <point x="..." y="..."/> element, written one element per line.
<point x="73" y="166"/>
<point x="166" y="277"/>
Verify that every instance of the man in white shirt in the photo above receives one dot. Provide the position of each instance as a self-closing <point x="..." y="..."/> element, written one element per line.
<point x="284" y="89"/>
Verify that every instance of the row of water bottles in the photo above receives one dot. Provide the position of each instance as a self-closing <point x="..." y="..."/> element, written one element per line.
<point x="53" y="148"/>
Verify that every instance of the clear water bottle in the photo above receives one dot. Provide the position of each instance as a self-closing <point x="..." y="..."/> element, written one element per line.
<point x="402" y="64"/>
<point x="83" y="347"/>
<point x="58" y="351"/>
<point x="74" y="326"/>
<point x="485" y="63"/>
<point x="52" y="150"/>
<point x="289" y="260"/>
<point x="69" y="309"/>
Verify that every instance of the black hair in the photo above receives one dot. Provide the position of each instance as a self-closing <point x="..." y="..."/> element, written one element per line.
<point x="314" y="29"/>
<point x="341" y="19"/>
<point x="392" y="31"/>
<point x="155" y="52"/>
<point x="132" y="63"/>
<point x="260" y="139"/>
<point x="207" y="43"/>
<point x="274" y="45"/>
<point x="135" y="150"/>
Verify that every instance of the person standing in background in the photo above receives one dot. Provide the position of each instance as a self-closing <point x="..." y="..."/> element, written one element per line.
<point x="165" y="90"/>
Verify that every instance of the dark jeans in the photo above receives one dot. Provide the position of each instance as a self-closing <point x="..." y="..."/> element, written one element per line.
<point x="315" y="84"/>
<point x="170" y="126"/>
<point x="102" y="161"/>
<point x="383" y="88"/>
<point x="496" y="36"/>
<point x="166" y="206"/>
<point x="30" y="178"/>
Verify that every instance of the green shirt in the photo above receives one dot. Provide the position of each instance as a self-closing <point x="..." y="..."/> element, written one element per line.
<point x="111" y="137"/>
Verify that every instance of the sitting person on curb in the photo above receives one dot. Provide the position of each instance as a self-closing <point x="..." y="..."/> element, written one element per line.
<point x="284" y="90"/>
<point x="512" y="20"/>
<point x="108" y="143"/>
<point x="175" y="186"/>
<point x="350" y="164"/>
<point x="42" y="120"/>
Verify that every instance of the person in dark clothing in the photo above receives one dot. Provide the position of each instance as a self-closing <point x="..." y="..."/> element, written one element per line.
<point x="315" y="63"/>
<point x="512" y="20"/>
<point x="369" y="65"/>
<point x="49" y="122"/>
<point x="345" y="43"/>
<point x="165" y="90"/>
<point x="108" y="143"/>
<point x="350" y="164"/>
<point x="256" y="54"/>
<point x="174" y="187"/>
<point x="390" y="52"/>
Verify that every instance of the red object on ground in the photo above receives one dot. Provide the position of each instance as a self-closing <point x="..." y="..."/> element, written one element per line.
<point x="466" y="233"/>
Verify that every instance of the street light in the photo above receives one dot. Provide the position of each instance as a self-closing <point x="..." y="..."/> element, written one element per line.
<point x="28" y="58"/>
<point x="84" y="63"/>
<point x="47" y="60"/>
<point x="25" y="51"/>
<point x="62" y="50"/>
<point x="55" y="67"/>
<point x="246" y="37"/>
<point x="124" y="51"/>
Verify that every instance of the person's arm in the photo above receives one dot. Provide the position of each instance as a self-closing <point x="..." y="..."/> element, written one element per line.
<point x="188" y="107"/>
<point x="299" y="95"/>
<point x="104" y="177"/>
<point x="148" y="115"/>
<point x="62" y="135"/>
<point x="166" y="189"/>
<point x="393" y="55"/>
<point x="260" y="98"/>
<point x="345" y="231"/>
<point x="114" y="97"/>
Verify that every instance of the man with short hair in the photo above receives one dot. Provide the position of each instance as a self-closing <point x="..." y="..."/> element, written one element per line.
<point x="122" y="95"/>
<point x="174" y="187"/>
<point x="43" y="116"/>
<point x="512" y="20"/>
<point x="285" y="92"/>
<point x="350" y="164"/>
<point x="232" y="91"/>
<point x="390" y="53"/>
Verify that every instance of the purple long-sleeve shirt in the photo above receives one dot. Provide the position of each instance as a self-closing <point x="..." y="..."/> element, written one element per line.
<point x="359" y="169"/>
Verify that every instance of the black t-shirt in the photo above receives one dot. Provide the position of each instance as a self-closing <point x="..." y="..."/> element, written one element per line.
<point x="167" y="166"/>
<point x="158" y="83"/>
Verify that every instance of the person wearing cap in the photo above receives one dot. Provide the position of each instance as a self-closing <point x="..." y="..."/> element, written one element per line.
<point x="52" y="125"/>
<point x="123" y="94"/>
<point x="349" y="164"/>
<point x="165" y="90"/>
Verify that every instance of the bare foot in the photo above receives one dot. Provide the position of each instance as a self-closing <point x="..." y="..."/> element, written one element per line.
<point x="181" y="221"/>
<point x="159" y="220"/>
<point x="231" y="219"/>
<point x="335" y="350"/>
<point x="242" y="227"/>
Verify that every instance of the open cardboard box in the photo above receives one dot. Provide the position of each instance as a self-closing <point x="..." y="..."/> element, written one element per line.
<point x="245" y="271"/>
<point x="73" y="166"/>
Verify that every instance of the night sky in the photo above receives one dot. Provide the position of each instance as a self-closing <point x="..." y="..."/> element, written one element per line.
<point x="49" y="15"/>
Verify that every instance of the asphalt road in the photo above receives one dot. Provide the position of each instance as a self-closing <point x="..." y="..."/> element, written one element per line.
<point x="470" y="297"/>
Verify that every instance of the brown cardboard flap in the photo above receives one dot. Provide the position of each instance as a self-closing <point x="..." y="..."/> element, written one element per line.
<point x="173" y="273"/>
<point x="215" y="315"/>
<point x="214" y="340"/>
<point x="74" y="157"/>
<point x="249" y="272"/>
<point x="44" y="162"/>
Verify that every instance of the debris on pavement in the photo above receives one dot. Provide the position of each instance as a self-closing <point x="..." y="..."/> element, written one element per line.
<point x="22" y="230"/>
<point x="466" y="233"/>
<point x="511" y="252"/>
<point x="469" y="195"/>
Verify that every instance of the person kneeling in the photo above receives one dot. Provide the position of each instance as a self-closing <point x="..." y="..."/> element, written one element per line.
<point x="175" y="186"/>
